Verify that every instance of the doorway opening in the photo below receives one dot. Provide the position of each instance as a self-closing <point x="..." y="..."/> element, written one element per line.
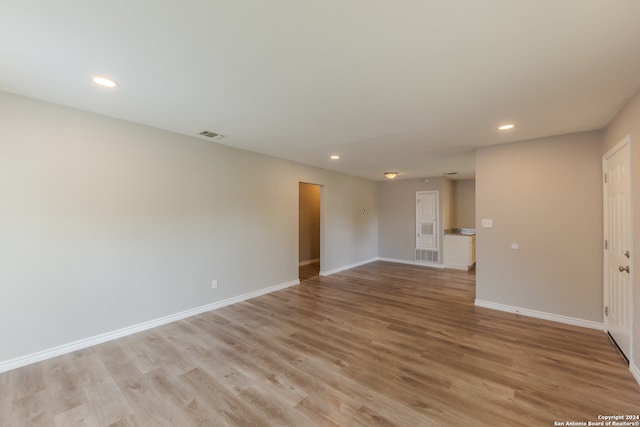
<point x="309" y="241"/>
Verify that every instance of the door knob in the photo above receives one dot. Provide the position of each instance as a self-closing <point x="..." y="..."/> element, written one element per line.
<point x="621" y="268"/>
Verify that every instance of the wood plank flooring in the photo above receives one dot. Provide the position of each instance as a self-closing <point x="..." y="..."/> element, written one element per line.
<point x="383" y="344"/>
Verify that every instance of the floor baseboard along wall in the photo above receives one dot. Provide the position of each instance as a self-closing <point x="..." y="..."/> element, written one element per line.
<point x="109" y="336"/>
<point x="541" y="315"/>
<point x="635" y="371"/>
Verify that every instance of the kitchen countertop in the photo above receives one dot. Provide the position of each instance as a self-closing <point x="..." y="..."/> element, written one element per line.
<point x="460" y="232"/>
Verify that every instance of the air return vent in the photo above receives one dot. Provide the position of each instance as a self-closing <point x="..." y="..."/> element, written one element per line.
<point x="211" y="135"/>
<point x="427" y="255"/>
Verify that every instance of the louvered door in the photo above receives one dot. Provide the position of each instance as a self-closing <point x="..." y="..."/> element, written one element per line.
<point x="427" y="220"/>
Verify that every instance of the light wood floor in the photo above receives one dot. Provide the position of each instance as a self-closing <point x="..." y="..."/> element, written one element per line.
<point x="382" y="344"/>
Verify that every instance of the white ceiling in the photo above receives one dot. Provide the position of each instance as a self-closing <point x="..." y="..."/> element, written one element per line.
<point x="406" y="85"/>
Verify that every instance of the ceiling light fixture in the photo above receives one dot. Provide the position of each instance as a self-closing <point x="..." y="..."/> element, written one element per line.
<point x="335" y="157"/>
<point x="390" y="175"/>
<point x="105" y="82"/>
<point x="507" y="127"/>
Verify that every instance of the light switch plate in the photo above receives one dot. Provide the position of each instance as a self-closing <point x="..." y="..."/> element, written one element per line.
<point x="487" y="223"/>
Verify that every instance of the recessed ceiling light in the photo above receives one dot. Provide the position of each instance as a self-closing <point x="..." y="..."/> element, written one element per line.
<point x="335" y="157"/>
<point x="105" y="82"/>
<point x="507" y="127"/>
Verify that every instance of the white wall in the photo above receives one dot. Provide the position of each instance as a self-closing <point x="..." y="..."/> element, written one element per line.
<point x="546" y="196"/>
<point x="105" y="224"/>
<point x="627" y="122"/>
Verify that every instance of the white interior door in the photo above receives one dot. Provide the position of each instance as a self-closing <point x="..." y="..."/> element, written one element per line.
<point x="427" y="220"/>
<point x="618" y="250"/>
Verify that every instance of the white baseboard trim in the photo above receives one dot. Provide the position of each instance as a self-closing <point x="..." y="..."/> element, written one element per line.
<point x="109" y="336"/>
<point x="311" y="261"/>
<point x="634" y="371"/>
<point x="420" y="263"/>
<point x="541" y="315"/>
<point x="346" y="267"/>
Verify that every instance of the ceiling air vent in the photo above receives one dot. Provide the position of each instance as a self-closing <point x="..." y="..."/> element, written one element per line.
<point x="211" y="135"/>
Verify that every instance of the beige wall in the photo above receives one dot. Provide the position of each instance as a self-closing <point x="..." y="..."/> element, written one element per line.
<point x="464" y="203"/>
<point x="446" y="204"/>
<point x="397" y="211"/>
<point x="546" y="196"/>
<point x="309" y="222"/>
<point x="627" y="122"/>
<point x="105" y="224"/>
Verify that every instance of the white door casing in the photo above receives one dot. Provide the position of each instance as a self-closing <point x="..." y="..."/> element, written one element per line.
<point x="427" y="220"/>
<point x="618" y="253"/>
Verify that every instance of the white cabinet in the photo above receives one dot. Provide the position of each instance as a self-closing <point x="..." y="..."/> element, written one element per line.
<point x="459" y="251"/>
